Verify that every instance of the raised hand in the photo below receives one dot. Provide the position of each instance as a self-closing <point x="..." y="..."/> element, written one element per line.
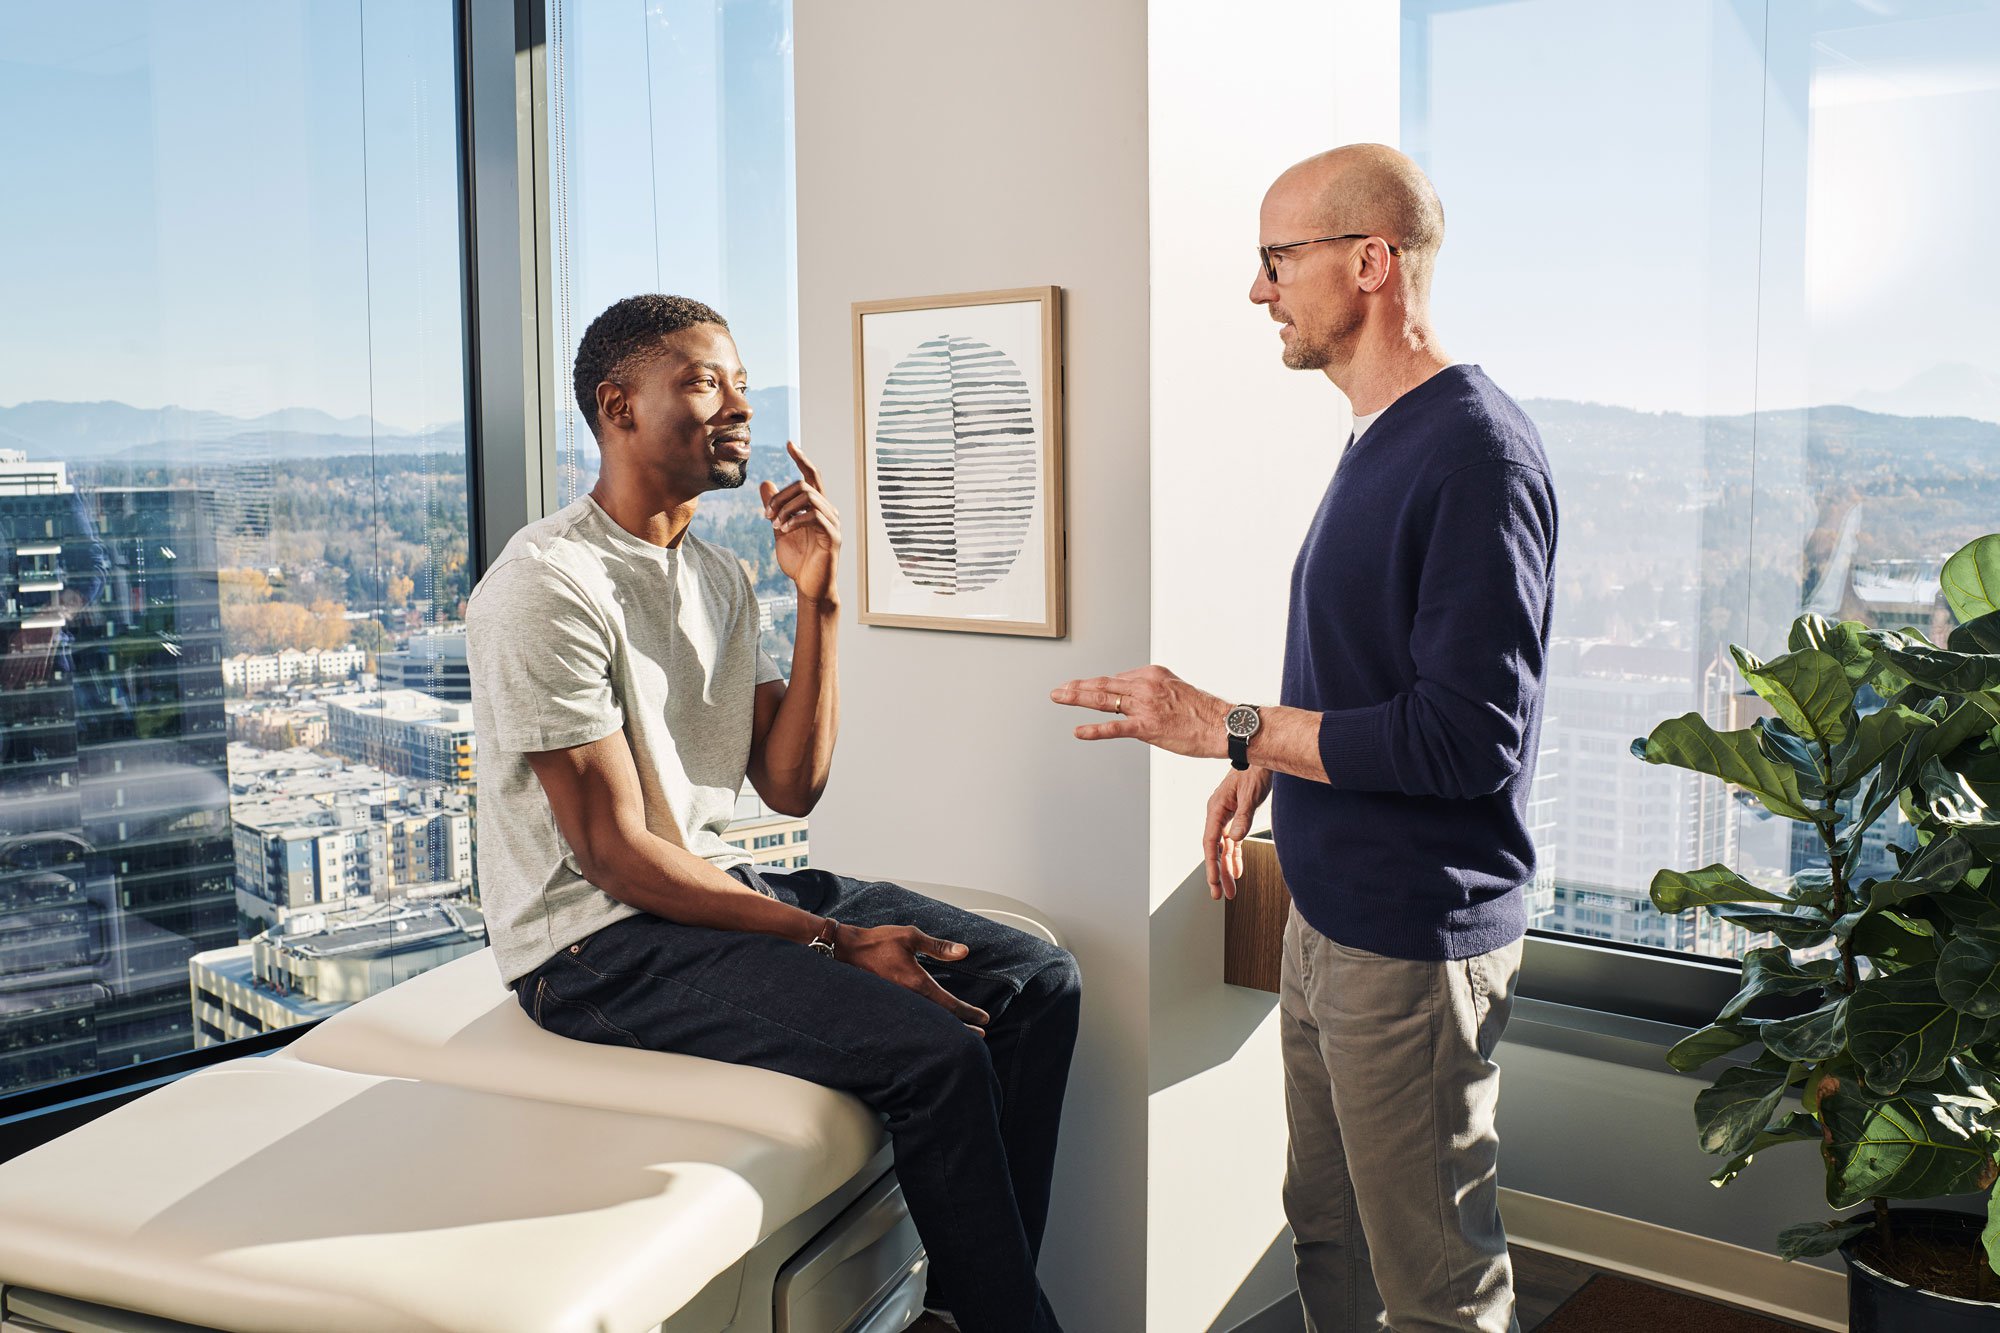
<point x="806" y="528"/>
<point x="1154" y="706"/>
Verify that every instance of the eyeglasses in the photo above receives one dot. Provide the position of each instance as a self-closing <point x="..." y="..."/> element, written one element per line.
<point x="1266" y="253"/>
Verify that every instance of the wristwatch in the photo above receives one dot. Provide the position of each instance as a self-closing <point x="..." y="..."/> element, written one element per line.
<point x="822" y="943"/>
<point x="1242" y="722"/>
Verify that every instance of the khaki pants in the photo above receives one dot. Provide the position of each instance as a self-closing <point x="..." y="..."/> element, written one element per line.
<point x="1392" y="1183"/>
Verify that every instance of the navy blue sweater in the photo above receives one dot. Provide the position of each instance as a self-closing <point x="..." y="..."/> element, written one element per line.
<point x="1419" y="630"/>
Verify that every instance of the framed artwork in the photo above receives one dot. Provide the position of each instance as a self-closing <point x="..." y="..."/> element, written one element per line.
<point x="958" y="414"/>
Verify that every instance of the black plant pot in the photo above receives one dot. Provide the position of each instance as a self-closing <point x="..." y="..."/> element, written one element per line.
<point x="1878" y="1304"/>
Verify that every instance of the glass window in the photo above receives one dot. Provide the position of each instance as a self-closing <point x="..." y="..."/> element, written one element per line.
<point x="232" y="482"/>
<point x="1743" y="297"/>
<point x="671" y="171"/>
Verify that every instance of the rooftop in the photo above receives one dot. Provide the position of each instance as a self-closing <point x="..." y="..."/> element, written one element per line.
<point x="406" y="706"/>
<point x="237" y="964"/>
<point x="379" y="929"/>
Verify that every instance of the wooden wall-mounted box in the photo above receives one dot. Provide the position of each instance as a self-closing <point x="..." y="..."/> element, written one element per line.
<point x="1253" y="922"/>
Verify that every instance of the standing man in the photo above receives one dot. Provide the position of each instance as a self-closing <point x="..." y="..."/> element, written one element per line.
<point x="1401" y="755"/>
<point x="621" y="699"/>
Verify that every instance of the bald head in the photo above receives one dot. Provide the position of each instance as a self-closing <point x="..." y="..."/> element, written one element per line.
<point x="1369" y="187"/>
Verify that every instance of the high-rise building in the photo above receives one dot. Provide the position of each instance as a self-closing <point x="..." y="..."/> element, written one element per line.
<point x="295" y="854"/>
<point x="238" y="494"/>
<point x="403" y="731"/>
<point x="1623" y="820"/>
<point x="429" y="848"/>
<point x="432" y="662"/>
<point x="115" y="846"/>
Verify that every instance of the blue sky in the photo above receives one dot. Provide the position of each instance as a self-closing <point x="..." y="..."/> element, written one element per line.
<point x="1609" y="167"/>
<point x="244" y="205"/>
<point x="1630" y="198"/>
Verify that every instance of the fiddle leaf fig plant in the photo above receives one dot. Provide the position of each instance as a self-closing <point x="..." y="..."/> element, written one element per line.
<point x="1895" y="1058"/>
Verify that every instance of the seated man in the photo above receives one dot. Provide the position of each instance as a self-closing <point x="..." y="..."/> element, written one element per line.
<point x="621" y="698"/>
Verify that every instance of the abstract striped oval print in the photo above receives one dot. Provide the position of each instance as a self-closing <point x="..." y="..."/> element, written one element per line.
<point x="955" y="461"/>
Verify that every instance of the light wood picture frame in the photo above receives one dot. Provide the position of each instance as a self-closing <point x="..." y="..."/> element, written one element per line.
<point x="959" y="468"/>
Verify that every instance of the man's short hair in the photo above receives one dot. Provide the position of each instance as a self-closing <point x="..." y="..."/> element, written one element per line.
<point x="628" y="332"/>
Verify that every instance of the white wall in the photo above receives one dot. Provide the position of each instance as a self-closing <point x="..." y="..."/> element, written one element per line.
<point x="1120" y="149"/>
<point x="1242" y="450"/>
<point x="946" y="147"/>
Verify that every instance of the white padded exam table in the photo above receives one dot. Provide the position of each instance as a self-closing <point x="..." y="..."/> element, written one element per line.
<point x="429" y="1160"/>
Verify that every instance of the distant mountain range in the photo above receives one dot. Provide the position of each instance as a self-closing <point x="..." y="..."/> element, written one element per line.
<point x="114" y="432"/>
<point x="1951" y="390"/>
<point x="1674" y="440"/>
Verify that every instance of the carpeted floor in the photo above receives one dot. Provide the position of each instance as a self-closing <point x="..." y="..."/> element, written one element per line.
<point x="1610" y="1304"/>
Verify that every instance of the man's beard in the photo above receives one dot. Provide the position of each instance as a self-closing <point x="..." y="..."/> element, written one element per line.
<point x="724" y="475"/>
<point x="1303" y="353"/>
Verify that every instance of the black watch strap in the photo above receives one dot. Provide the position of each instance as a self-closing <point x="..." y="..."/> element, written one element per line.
<point x="1239" y="752"/>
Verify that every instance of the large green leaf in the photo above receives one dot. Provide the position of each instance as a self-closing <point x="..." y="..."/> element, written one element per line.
<point x="1712" y="1042"/>
<point x="1967" y="720"/>
<point x="1901" y="1030"/>
<point x="1678" y="890"/>
<point x="1689" y="742"/>
<point x="1798" y="1127"/>
<point x="1799" y="930"/>
<point x="1971" y="579"/>
<point x="1959" y="723"/>
<point x="1771" y="971"/>
<point x="1968" y="972"/>
<point x="1972" y="906"/>
<point x="1812" y="886"/>
<point x="1782" y="745"/>
<point x="1819" y="1035"/>
<point x="1730" y="1115"/>
<point x="1893" y="940"/>
<point x="1982" y="834"/>
<point x="1809" y="689"/>
<point x="1809" y="1240"/>
<point x="1910" y="1146"/>
<point x="1937" y="868"/>
<point x="1876" y="736"/>
<point x="1849" y="642"/>
<point x="1945" y="671"/>
<point x="1950" y="796"/>
<point x="1938" y="865"/>
<point x="1979" y="635"/>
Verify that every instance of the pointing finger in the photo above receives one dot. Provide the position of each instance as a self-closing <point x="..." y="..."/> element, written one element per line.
<point x="806" y="466"/>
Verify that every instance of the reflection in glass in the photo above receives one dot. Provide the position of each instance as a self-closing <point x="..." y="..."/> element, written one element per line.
<point x="232" y="478"/>
<point x="1744" y="299"/>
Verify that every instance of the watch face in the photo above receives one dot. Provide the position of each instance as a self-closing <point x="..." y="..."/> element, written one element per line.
<point x="1242" y="721"/>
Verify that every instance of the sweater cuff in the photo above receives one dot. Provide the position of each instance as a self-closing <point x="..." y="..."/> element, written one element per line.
<point x="1351" y="748"/>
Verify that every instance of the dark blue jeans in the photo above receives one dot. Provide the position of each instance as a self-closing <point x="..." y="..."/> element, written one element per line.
<point x="974" y="1122"/>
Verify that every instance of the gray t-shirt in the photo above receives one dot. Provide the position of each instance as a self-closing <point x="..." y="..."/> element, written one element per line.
<point x="578" y="630"/>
